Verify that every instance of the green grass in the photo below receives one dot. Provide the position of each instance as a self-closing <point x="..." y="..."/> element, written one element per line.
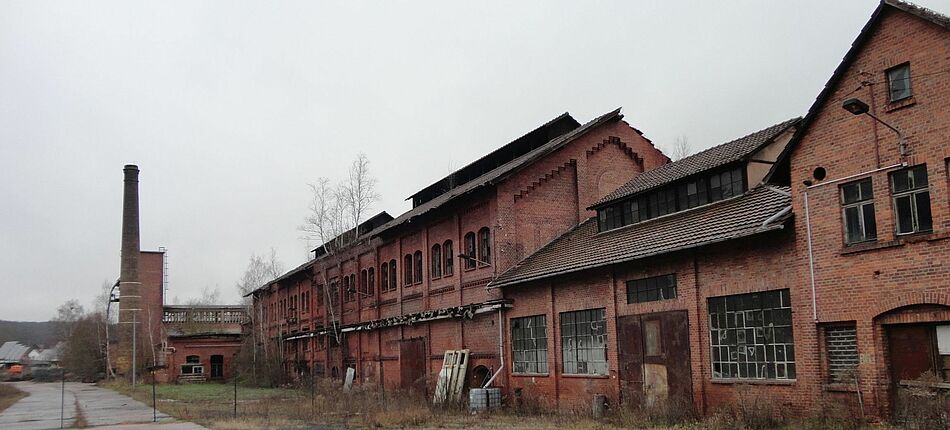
<point x="207" y="392"/>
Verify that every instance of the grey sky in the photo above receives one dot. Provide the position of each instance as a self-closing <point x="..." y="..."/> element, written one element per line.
<point x="231" y="108"/>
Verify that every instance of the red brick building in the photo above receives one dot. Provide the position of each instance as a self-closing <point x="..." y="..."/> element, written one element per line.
<point x="413" y="287"/>
<point x="808" y="259"/>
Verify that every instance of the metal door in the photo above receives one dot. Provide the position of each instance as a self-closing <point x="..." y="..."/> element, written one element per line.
<point x="654" y="358"/>
<point x="412" y="364"/>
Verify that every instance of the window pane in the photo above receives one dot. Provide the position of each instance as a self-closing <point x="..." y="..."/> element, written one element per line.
<point x="853" y="225"/>
<point x="851" y="192"/>
<point x="866" y="190"/>
<point x="924" y="221"/>
<point x="898" y="80"/>
<point x="870" y="224"/>
<point x="905" y="217"/>
<point x="902" y="181"/>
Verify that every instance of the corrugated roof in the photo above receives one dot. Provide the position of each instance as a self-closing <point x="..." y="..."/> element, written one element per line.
<point x="500" y="172"/>
<point x="702" y="161"/>
<point x="13" y="352"/>
<point x="584" y="248"/>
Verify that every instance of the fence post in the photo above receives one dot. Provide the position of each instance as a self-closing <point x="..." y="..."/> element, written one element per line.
<point x="62" y="401"/>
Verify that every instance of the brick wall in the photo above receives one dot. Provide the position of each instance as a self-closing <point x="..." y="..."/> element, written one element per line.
<point x="861" y="283"/>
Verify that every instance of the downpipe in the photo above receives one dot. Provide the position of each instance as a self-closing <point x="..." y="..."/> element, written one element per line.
<point x="501" y="351"/>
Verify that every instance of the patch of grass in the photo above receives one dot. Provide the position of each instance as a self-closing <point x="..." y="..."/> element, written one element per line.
<point x="80" y="421"/>
<point x="9" y="395"/>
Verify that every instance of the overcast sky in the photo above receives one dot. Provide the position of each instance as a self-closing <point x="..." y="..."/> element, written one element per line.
<point x="231" y="108"/>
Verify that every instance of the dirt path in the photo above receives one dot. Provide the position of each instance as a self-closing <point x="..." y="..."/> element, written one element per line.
<point x="100" y="407"/>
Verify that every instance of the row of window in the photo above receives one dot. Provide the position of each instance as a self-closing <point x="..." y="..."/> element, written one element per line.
<point x="911" y="202"/>
<point x="750" y="338"/>
<point x="442" y="263"/>
<point x="673" y="198"/>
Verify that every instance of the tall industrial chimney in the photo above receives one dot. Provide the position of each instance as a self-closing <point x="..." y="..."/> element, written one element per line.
<point x="129" y="284"/>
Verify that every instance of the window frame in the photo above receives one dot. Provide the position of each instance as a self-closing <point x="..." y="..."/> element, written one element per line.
<point x="835" y="343"/>
<point x="484" y="246"/>
<point x="384" y="277"/>
<point x="407" y="277"/>
<point x="890" y="82"/>
<point x="649" y="284"/>
<point x="418" y="271"/>
<point x="371" y="282"/>
<point x="859" y="205"/>
<point x="449" y="262"/>
<point x="728" y="315"/>
<point x="519" y="345"/>
<point x="572" y="328"/>
<point x="470" y="251"/>
<point x="393" y="275"/>
<point x="912" y="194"/>
<point x="435" y="261"/>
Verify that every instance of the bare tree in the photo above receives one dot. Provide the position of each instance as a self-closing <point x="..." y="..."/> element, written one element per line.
<point x="260" y="269"/>
<point x="335" y="215"/>
<point x="681" y="148"/>
<point x="209" y="296"/>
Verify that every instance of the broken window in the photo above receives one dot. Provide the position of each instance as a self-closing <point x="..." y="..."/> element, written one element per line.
<point x="751" y="336"/>
<point x="898" y="82"/>
<point x="857" y="199"/>
<point x="192" y="366"/>
<point x="449" y="262"/>
<point x="484" y="246"/>
<point x="435" y="266"/>
<point x="529" y="342"/>
<point x="417" y="273"/>
<point x="651" y="289"/>
<point x="841" y="351"/>
<point x="584" y="342"/>
<point x="470" y="250"/>
<point x="912" y="200"/>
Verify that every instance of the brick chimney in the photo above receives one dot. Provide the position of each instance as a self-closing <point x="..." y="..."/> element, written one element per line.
<point x="129" y="284"/>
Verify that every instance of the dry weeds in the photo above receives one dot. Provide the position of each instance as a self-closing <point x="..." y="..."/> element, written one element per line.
<point x="9" y="395"/>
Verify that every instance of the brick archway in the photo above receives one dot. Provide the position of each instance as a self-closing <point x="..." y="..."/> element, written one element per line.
<point x="895" y="303"/>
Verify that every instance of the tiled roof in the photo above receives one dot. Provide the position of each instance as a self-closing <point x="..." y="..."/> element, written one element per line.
<point x="711" y="158"/>
<point x="501" y="172"/>
<point x="762" y="209"/>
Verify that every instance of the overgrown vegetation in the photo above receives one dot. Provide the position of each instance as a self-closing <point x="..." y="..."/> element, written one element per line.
<point x="290" y="408"/>
<point x="9" y="395"/>
<point x="922" y="405"/>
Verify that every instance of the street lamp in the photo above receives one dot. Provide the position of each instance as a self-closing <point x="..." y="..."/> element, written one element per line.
<point x="858" y="107"/>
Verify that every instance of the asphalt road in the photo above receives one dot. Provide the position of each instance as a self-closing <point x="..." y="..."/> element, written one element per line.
<point x="102" y="408"/>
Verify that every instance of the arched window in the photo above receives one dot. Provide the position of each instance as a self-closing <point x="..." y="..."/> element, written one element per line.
<point x="364" y="281"/>
<point x="371" y="282"/>
<point x="347" y="289"/>
<point x="470" y="250"/>
<point x="353" y="286"/>
<point x="384" y="277"/>
<point x="407" y="269"/>
<point x="435" y="266"/>
<point x="449" y="262"/>
<point x="418" y="270"/>
<point x="484" y="246"/>
<point x="392" y="274"/>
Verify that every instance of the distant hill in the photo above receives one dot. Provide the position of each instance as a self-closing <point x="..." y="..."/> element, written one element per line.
<point x="29" y="333"/>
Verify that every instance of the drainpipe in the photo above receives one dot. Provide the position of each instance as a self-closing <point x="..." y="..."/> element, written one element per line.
<point x="501" y="351"/>
<point x="811" y="255"/>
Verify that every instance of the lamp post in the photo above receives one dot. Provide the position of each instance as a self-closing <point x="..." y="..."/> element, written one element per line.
<point x="858" y="107"/>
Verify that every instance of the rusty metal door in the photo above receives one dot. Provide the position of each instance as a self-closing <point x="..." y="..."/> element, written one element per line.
<point x="654" y="358"/>
<point x="630" y="352"/>
<point x="412" y="362"/>
<point x="912" y="351"/>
